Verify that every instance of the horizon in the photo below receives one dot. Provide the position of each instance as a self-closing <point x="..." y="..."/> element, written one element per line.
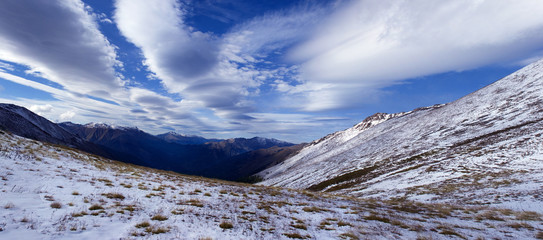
<point x="289" y="70"/>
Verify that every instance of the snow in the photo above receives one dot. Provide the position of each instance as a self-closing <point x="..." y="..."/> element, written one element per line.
<point x="486" y="145"/>
<point x="33" y="175"/>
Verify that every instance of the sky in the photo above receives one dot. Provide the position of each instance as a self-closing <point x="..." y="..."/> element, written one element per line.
<point x="291" y="70"/>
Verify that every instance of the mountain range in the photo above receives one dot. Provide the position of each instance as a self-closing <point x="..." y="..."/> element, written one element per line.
<point x="170" y="151"/>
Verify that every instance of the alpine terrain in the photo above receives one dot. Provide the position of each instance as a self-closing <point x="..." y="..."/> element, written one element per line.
<point x="483" y="149"/>
<point x="53" y="192"/>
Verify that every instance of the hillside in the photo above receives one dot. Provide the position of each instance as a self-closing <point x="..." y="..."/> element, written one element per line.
<point x="484" y="148"/>
<point x="52" y="192"/>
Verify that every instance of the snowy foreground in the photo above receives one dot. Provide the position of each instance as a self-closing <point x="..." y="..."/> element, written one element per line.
<point x="51" y="192"/>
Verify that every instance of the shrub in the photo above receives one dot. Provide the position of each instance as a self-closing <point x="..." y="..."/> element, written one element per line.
<point x="95" y="207"/>
<point x="56" y="205"/>
<point x="156" y="230"/>
<point x="226" y="225"/>
<point x="294" y="235"/>
<point x="113" y="196"/>
<point x="312" y="209"/>
<point x="377" y="218"/>
<point x="143" y="225"/>
<point x="159" y="217"/>
<point x="299" y="226"/>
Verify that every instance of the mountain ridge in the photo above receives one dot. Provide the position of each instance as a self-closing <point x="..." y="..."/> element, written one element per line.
<point x="409" y="142"/>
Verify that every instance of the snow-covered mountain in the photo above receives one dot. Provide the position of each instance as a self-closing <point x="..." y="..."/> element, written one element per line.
<point x="53" y="192"/>
<point x="185" y="139"/>
<point x="485" y="147"/>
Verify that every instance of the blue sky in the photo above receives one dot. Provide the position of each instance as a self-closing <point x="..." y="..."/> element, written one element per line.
<point x="292" y="70"/>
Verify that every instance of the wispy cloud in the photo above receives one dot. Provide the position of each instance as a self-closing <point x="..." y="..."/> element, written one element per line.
<point x="282" y="72"/>
<point x="59" y="40"/>
<point x="368" y="45"/>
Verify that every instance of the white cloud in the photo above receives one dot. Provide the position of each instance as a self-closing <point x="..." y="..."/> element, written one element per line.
<point x="6" y="67"/>
<point x="172" y="50"/>
<point x="61" y="41"/>
<point x="198" y="66"/>
<point x="41" y="109"/>
<point x="66" y="116"/>
<point x="368" y="45"/>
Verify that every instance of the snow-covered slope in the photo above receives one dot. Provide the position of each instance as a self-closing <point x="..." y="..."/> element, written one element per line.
<point x="484" y="147"/>
<point x="51" y="192"/>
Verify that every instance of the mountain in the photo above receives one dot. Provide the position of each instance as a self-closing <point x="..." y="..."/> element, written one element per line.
<point x="132" y="145"/>
<point x="236" y="146"/>
<point x="140" y="147"/>
<point x="243" y="166"/>
<point x="23" y="122"/>
<point x="485" y="147"/>
<point x="52" y="192"/>
<point x="209" y="159"/>
<point x="185" y="139"/>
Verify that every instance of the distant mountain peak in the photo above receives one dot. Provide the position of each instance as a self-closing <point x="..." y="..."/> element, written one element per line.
<point x="108" y="126"/>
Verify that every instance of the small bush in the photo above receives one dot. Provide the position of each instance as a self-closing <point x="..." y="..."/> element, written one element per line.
<point x="299" y="226"/>
<point x="129" y="208"/>
<point x="156" y="230"/>
<point x="159" y="217"/>
<point x="113" y="196"/>
<point x="312" y="209"/>
<point x="95" y="207"/>
<point x="294" y="235"/>
<point x="75" y="193"/>
<point x="143" y="225"/>
<point x="226" y="225"/>
<point x="56" y="205"/>
<point x="177" y="211"/>
<point x="80" y="214"/>
<point x="377" y="218"/>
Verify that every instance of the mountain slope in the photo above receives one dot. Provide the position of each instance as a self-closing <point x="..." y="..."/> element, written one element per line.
<point x="51" y="192"/>
<point x="479" y="142"/>
<point x="25" y="123"/>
